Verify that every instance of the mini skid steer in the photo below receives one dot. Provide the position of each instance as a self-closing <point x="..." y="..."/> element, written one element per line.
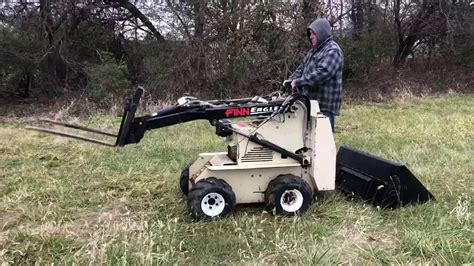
<point x="280" y="152"/>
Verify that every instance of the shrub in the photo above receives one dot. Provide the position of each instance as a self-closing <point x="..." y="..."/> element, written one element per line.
<point x="107" y="79"/>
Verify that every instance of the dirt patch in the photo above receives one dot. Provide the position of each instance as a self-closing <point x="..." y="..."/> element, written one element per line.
<point x="8" y="222"/>
<point x="108" y="219"/>
<point x="350" y="239"/>
<point x="96" y="231"/>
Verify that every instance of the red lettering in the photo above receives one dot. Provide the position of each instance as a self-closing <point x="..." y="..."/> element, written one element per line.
<point x="228" y="112"/>
<point x="237" y="112"/>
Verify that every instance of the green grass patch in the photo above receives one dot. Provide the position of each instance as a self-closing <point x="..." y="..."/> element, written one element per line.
<point x="64" y="201"/>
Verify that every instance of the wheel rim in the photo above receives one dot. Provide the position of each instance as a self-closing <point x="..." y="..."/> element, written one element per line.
<point x="291" y="200"/>
<point x="213" y="204"/>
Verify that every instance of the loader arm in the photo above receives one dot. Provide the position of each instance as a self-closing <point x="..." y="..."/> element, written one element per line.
<point x="185" y="114"/>
<point x="205" y="110"/>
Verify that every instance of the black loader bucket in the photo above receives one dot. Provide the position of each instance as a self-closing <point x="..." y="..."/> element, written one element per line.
<point x="383" y="183"/>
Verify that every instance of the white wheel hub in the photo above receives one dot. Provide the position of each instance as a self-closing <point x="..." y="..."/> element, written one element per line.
<point x="212" y="204"/>
<point x="291" y="200"/>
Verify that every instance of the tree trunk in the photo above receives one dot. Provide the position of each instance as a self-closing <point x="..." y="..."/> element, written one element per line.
<point x="53" y="65"/>
<point x="198" y="61"/>
<point x="404" y="49"/>
<point x="371" y="16"/>
<point x="341" y="13"/>
<point x="24" y="86"/>
<point x="357" y="17"/>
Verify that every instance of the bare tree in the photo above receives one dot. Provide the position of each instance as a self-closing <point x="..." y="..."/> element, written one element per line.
<point x="426" y="20"/>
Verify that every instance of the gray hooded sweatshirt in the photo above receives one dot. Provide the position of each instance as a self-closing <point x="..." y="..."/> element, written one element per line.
<point x="320" y="74"/>
<point x="322" y="29"/>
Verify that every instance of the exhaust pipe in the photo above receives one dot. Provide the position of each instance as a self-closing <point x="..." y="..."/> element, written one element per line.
<point x="383" y="183"/>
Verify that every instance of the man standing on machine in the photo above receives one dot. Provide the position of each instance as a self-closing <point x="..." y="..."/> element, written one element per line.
<point x="320" y="75"/>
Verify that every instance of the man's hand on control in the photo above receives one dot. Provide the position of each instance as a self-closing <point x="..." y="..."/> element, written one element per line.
<point x="293" y="86"/>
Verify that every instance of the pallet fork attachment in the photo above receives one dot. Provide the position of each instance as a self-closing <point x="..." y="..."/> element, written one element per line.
<point x="130" y="109"/>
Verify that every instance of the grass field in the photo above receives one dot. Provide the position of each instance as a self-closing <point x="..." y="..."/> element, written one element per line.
<point x="67" y="201"/>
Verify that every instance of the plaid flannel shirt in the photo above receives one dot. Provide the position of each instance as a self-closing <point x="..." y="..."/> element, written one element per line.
<point x="320" y="76"/>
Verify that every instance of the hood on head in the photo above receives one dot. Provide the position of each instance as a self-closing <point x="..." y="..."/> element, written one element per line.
<point x="321" y="28"/>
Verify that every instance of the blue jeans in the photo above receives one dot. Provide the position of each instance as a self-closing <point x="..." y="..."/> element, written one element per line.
<point x="331" y="117"/>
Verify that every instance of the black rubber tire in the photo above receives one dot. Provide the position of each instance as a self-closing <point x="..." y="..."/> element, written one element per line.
<point x="278" y="186"/>
<point x="202" y="189"/>
<point x="184" y="180"/>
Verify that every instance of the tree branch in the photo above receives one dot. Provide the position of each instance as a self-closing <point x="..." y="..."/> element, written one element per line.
<point x="342" y="15"/>
<point x="138" y="14"/>
<point x="186" y="30"/>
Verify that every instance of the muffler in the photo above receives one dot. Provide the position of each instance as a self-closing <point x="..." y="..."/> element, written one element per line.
<point x="383" y="183"/>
